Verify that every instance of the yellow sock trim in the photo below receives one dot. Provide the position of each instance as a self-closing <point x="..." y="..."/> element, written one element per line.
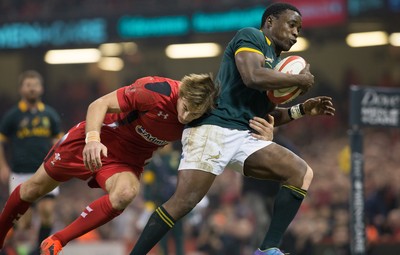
<point x="295" y="189"/>
<point x="164" y="217"/>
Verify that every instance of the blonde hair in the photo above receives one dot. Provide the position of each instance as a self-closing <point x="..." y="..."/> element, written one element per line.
<point x="200" y="91"/>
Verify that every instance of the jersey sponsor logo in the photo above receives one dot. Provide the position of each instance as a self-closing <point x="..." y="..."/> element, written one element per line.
<point x="148" y="137"/>
<point x="36" y="131"/>
<point x="38" y="126"/>
<point x="162" y="114"/>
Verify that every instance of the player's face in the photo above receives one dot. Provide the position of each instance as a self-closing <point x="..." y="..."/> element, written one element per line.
<point x="285" y="29"/>
<point x="185" y="113"/>
<point x="31" y="89"/>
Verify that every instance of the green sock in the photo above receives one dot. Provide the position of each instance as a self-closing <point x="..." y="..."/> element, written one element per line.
<point x="287" y="203"/>
<point x="159" y="224"/>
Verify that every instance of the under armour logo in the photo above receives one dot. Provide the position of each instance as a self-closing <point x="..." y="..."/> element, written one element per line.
<point x="88" y="209"/>
<point x="164" y="115"/>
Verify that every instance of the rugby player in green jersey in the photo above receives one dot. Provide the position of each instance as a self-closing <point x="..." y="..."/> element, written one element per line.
<point x="30" y="128"/>
<point x="222" y="137"/>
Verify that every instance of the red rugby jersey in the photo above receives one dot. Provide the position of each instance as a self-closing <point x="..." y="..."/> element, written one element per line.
<point x="148" y="119"/>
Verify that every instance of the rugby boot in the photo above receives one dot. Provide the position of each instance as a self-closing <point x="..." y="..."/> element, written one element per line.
<point x="50" y="246"/>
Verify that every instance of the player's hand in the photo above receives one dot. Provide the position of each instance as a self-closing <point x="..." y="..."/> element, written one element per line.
<point x="321" y="105"/>
<point x="92" y="155"/>
<point x="307" y="79"/>
<point x="263" y="127"/>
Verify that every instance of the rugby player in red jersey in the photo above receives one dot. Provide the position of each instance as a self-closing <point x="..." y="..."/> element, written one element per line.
<point x="120" y="134"/>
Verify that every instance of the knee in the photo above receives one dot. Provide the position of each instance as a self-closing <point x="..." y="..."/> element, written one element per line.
<point x="308" y="176"/>
<point x="122" y="197"/>
<point x="301" y="175"/>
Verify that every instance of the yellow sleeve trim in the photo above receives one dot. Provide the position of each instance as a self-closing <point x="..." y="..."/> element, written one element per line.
<point x="248" y="49"/>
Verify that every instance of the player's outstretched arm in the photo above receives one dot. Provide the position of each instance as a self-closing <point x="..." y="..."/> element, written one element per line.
<point x="95" y="115"/>
<point x="321" y="105"/>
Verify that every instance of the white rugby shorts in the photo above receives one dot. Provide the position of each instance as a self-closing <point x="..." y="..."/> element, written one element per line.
<point x="18" y="178"/>
<point x="211" y="148"/>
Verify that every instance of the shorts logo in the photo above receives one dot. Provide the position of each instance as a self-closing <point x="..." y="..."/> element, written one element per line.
<point x="57" y="156"/>
<point x="214" y="157"/>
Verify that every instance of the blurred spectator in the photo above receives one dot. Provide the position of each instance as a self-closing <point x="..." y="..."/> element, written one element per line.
<point x="29" y="128"/>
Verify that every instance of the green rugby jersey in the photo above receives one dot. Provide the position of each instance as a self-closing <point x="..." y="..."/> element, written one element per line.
<point x="29" y="134"/>
<point x="237" y="103"/>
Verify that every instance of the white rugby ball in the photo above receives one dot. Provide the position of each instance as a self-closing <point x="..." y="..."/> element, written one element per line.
<point x="292" y="65"/>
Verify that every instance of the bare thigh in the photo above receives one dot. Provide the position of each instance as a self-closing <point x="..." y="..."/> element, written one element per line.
<point x="277" y="163"/>
<point x="38" y="185"/>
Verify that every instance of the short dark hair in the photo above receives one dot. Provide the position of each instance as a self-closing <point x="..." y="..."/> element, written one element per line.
<point x="276" y="9"/>
<point x="29" y="74"/>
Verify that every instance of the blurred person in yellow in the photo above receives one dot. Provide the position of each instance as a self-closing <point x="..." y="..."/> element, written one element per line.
<point x="29" y="128"/>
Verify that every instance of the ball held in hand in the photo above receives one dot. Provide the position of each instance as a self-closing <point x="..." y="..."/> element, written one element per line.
<point x="291" y="65"/>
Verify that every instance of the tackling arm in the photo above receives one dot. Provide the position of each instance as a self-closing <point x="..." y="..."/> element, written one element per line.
<point x="97" y="111"/>
<point x="94" y="118"/>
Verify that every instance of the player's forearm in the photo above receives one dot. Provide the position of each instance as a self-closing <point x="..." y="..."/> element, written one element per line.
<point x="95" y="115"/>
<point x="268" y="79"/>
<point x="281" y="116"/>
<point x="285" y="115"/>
